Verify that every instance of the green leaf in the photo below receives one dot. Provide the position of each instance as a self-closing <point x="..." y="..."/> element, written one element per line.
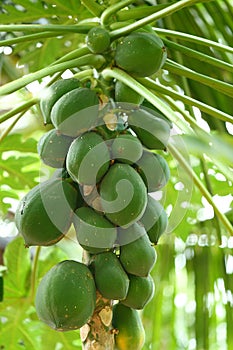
<point x="17" y="143"/>
<point x="17" y="261"/>
<point x="1" y="288"/>
<point x="28" y="10"/>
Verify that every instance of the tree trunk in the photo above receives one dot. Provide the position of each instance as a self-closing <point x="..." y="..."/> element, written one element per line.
<point x="98" y="333"/>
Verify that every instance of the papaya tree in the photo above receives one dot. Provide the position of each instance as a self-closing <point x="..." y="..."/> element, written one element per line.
<point x="116" y="174"/>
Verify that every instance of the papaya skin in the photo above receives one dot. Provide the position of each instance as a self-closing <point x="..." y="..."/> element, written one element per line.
<point x="151" y="130"/>
<point x="137" y="257"/>
<point x="154" y="219"/>
<point x="141" y="291"/>
<point x="123" y="195"/>
<point x="128" y="326"/>
<point x="94" y="232"/>
<point x="44" y="214"/>
<point x="51" y="94"/>
<point x="88" y="159"/>
<point x="52" y="148"/>
<point x="75" y="112"/>
<point x="126" y="148"/>
<point x="98" y="40"/>
<point x="66" y="296"/>
<point x="111" y="279"/>
<point x="154" y="171"/>
<point x="140" y="54"/>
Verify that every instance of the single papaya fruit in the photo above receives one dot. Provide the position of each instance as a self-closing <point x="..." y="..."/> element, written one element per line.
<point x="137" y="257"/>
<point x="147" y="106"/>
<point x="75" y="112"/>
<point x="131" y="234"/>
<point x="154" y="219"/>
<point x="124" y="93"/>
<point x="129" y="333"/>
<point x="51" y="94"/>
<point x="45" y="214"/>
<point x="123" y="195"/>
<point x="110" y="278"/>
<point x="98" y="40"/>
<point x="53" y="147"/>
<point x="154" y="171"/>
<point x="141" y="291"/>
<point x="66" y="296"/>
<point x="140" y="54"/>
<point x="94" y="232"/>
<point x="152" y="131"/>
<point x="88" y="159"/>
<point x="126" y="148"/>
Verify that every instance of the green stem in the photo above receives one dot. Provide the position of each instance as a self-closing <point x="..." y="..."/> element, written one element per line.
<point x="193" y="38"/>
<point x="156" y="86"/>
<point x="95" y="60"/>
<point x="111" y="10"/>
<point x="139" y="12"/>
<point x="22" y="108"/>
<point x="73" y="54"/>
<point x="198" y="55"/>
<point x="29" y="37"/>
<point x="34" y="272"/>
<point x="151" y="18"/>
<point x="78" y="28"/>
<point x="8" y="130"/>
<point x="92" y="6"/>
<point x="201" y="187"/>
<point x="142" y="90"/>
<point x="26" y="105"/>
<point x="218" y="85"/>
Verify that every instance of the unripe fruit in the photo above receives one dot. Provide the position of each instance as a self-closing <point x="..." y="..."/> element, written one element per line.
<point x="66" y="296"/>
<point x="140" y="54"/>
<point x="98" y="40"/>
<point x="126" y="148"/>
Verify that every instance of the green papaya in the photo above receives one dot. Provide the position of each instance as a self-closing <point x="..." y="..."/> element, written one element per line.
<point x="129" y="333"/>
<point x="126" y="148"/>
<point x="154" y="219"/>
<point x="66" y="296"/>
<point x="75" y="112"/>
<point x="137" y="257"/>
<point x="131" y="234"/>
<point x="123" y="195"/>
<point x="98" y="40"/>
<point x="147" y="106"/>
<point x="53" y="147"/>
<point x="140" y="54"/>
<point x="141" y="291"/>
<point x="52" y="93"/>
<point x="154" y="171"/>
<point x="94" y="232"/>
<point x="152" y="131"/>
<point x="110" y="278"/>
<point x="45" y="214"/>
<point x="88" y="159"/>
<point x="124" y="93"/>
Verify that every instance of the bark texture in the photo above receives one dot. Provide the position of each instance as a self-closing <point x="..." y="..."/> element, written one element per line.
<point x="98" y="333"/>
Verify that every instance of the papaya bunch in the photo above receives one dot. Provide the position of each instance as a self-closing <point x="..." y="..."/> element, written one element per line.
<point x="107" y="169"/>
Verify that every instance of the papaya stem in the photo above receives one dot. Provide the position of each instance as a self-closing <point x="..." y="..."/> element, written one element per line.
<point x="21" y="108"/>
<point x="11" y="126"/>
<point x="104" y="19"/>
<point x="153" y="17"/>
<point x="98" y="332"/>
<point x="95" y="60"/>
<point x="201" y="187"/>
<point x="29" y="37"/>
<point x="92" y="6"/>
<point x="78" y="28"/>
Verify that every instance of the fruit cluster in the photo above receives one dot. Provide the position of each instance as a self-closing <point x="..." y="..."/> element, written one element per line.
<point x="106" y="169"/>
